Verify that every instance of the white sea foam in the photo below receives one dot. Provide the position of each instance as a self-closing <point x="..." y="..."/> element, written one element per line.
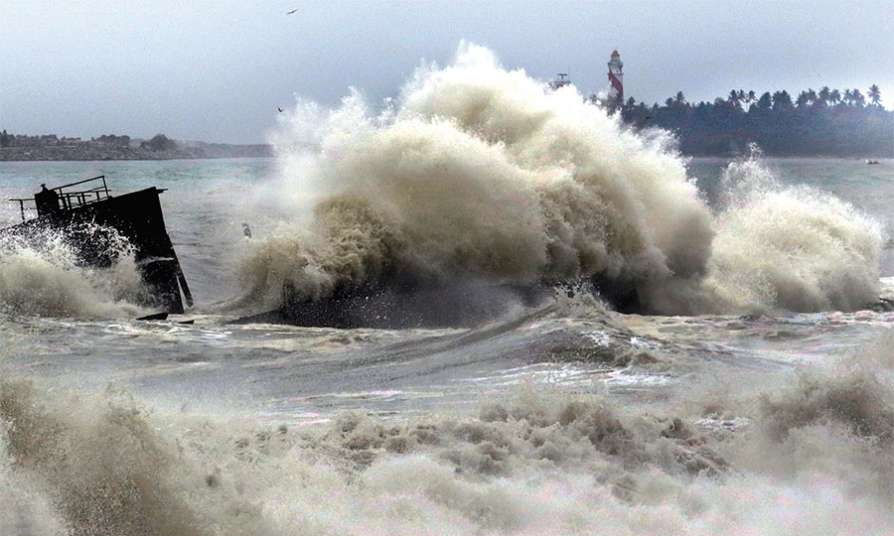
<point x="535" y="464"/>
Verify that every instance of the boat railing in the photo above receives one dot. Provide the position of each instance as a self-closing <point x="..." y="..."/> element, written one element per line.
<point x="69" y="199"/>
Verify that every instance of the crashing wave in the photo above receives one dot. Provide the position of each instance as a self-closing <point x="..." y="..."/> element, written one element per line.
<point x="479" y="173"/>
<point x="43" y="275"/>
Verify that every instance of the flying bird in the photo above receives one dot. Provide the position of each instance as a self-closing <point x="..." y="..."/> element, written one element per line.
<point x="280" y="109"/>
<point x="290" y="12"/>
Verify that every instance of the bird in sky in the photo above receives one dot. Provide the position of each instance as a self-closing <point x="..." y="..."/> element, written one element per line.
<point x="291" y="11"/>
<point x="280" y="109"/>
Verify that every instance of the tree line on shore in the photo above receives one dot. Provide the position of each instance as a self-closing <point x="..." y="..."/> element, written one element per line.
<point x="159" y="142"/>
<point x="114" y="147"/>
<point x="827" y="122"/>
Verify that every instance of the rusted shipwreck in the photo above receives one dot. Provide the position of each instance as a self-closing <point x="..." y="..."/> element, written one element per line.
<point x="86" y="213"/>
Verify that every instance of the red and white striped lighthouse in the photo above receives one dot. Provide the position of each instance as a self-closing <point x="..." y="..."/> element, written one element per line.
<point x="616" y="79"/>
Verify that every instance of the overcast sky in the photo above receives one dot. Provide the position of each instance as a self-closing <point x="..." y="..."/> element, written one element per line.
<point x="217" y="70"/>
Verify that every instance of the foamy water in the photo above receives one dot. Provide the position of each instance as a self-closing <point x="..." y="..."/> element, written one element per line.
<point x="566" y="418"/>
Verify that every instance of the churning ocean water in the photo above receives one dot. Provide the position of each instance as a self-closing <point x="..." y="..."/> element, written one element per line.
<point x="753" y="396"/>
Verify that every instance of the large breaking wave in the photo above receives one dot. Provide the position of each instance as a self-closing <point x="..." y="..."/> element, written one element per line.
<point x="479" y="172"/>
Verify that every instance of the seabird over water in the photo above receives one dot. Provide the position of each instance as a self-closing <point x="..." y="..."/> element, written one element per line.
<point x="292" y="11"/>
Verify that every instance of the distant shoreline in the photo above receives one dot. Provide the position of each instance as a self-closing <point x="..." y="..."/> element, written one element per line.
<point x="156" y="158"/>
<point x="94" y="152"/>
<point x="98" y="151"/>
<point x="785" y="156"/>
<point x="160" y="159"/>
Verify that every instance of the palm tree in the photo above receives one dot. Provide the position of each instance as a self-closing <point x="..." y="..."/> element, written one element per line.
<point x="734" y="98"/>
<point x="848" y="97"/>
<point x="835" y="96"/>
<point x="680" y="99"/>
<point x="812" y="96"/>
<point x="824" y="93"/>
<point x="782" y="101"/>
<point x="858" y="98"/>
<point x="803" y="99"/>
<point x="875" y="95"/>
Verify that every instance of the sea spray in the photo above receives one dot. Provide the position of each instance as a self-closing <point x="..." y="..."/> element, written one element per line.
<point x="44" y="275"/>
<point x="103" y="468"/>
<point x="479" y="172"/>
<point x="790" y="247"/>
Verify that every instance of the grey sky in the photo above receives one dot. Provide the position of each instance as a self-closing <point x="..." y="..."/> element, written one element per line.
<point x="217" y="70"/>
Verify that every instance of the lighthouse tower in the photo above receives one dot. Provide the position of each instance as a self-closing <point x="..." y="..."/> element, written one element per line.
<point x="616" y="79"/>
